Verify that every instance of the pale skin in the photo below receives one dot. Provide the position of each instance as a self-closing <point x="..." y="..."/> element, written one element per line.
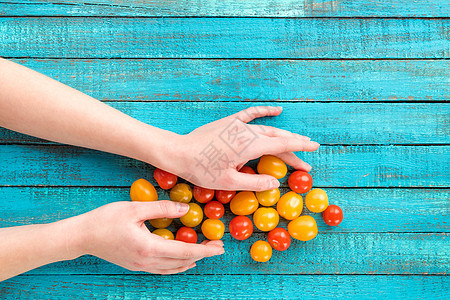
<point x="36" y="105"/>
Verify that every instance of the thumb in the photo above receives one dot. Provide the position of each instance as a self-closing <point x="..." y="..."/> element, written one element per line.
<point x="161" y="209"/>
<point x="254" y="182"/>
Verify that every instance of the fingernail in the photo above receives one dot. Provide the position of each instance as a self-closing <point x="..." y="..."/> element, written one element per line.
<point x="182" y="207"/>
<point x="274" y="184"/>
<point x="315" y="143"/>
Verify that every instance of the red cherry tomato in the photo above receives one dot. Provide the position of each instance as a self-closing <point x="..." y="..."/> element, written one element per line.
<point x="214" y="210"/>
<point x="247" y="170"/>
<point x="241" y="227"/>
<point x="225" y="197"/>
<point x="203" y="195"/>
<point x="187" y="235"/>
<point x="279" y="239"/>
<point x="165" y="179"/>
<point x="300" y="182"/>
<point x="333" y="215"/>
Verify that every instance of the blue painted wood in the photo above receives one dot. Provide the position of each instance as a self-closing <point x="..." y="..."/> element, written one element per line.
<point x="251" y="80"/>
<point x="227" y="287"/>
<point x="224" y="38"/>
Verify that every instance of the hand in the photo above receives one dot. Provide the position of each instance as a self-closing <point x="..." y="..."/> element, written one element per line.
<point x="117" y="233"/>
<point x="213" y="154"/>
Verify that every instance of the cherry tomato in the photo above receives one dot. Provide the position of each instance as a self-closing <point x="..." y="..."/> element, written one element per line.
<point x="193" y="217"/>
<point x="244" y="203"/>
<point x="266" y="218"/>
<point x="142" y="190"/>
<point x="165" y="233"/>
<point x="165" y="179"/>
<point x="300" y="182"/>
<point x="279" y="239"/>
<point x="161" y="222"/>
<point x="247" y="170"/>
<point x="241" y="227"/>
<point x="214" y="210"/>
<point x="316" y="200"/>
<point x="333" y="215"/>
<point x="290" y="205"/>
<point x="213" y="229"/>
<point x="203" y="195"/>
<point x="303" y="228"/>
<point x="187" y="235"/>
<point x="181" y="192"/>
<point x="261" y="251"/>
<point x="225" y="197"/>
<point x="271" y="165"/>
<point x="268" y="198"/>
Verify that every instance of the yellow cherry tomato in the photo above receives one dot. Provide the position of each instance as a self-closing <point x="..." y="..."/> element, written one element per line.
<point x="161" y="222"/>
<point x="268" y="198"/>
<point x="290" y="205"/>
<point x="261" y="251"/>
<point x="142" y="190"/>
<point x="272" y="165"/>
<point x="316" y="200"/>
<point x="303" y="228"/>
<point x="244" y="203"/>
<point x="165" y="233"/>
<point x="213" y="229"/>
<point x="266" y="218"/>
<point x="193" y="217"/>
<point x="181" y="192"/>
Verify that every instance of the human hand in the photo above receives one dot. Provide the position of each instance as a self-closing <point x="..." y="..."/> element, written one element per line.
<point x="116" y="232"/>
<point x="213" y="153"/>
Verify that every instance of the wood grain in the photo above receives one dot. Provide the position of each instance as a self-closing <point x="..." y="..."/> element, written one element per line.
<point x="251" y="80"/>
<point x="237" y="38"/>
<point x="226" y="287"/>
<point x="229" y="8"/>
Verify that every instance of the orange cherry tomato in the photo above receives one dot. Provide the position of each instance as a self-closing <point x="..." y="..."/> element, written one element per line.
<point x="261" y="251"/>
<point x="241" y="227"/>
<point x="279" y="239"/>
<point x="203" y="195"/>
<point x="316" y="200"/>
<point x="271" y="165"/>
<point x="244" y="203"/>
<point x="247" y="170"/>
<point x="266" y="218"/>
<point x="161" y="222"/>
<point x="214" y="210"/>
<point x="165" y="179"/>
<point x="187" y="235"/>
<point x="181" y="192"/>
<point x="303" y="228"/>
<point x="142" y="190"/>
<point x="165" y="233"/>
<point x="290" y="205"/>
<point x="333" y="215"/>
<point x="225" y="197"/>
<point x="300" y="182"/>
<point x="213" y="229"/>
<point x="193" y="217"/>
<point x="268" y="198"/>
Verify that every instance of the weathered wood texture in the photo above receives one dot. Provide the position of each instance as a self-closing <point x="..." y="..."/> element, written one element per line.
<point x="227" y="287"/>
<point x="237" y="38"/>
<point x="228" y="8"/>
<point x="333" y="166"/>
<point x="251" y="80"/>
<point x="326" y="123"/>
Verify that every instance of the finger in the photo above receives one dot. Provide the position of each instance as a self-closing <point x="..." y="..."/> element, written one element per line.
<point x="277" y="132"/>
<point x="277" y="145"/>
<point x="172" y="271"/>
<point x="253" y="182"/>
<point x="181" y="250"/>
<point x="159" y="209"/>
<point x="292" y="160"/>
<point x="254" y="112"/>
<point x="172" y="263"/>
<point x="215" y="242"/>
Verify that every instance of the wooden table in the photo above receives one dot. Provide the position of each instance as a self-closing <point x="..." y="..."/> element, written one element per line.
<point x="369" y="80"/>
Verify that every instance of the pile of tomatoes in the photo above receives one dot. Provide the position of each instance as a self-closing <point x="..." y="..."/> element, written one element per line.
<point x="266" y="207"/>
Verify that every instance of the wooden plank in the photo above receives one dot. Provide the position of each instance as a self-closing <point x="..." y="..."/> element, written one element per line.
<point x="229" y="8"/>
<point x="226" y="287"/>
<point x="333" y="166"/>
<point x="251" y="80"/>
<point x="365" y="210"/>
<point x="224" y="38"/>
<point x="327" y="123"/>
<point x="328" y="253"/>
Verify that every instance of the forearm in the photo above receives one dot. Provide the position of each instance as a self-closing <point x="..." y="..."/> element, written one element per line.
<point x="36" y="105"/>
